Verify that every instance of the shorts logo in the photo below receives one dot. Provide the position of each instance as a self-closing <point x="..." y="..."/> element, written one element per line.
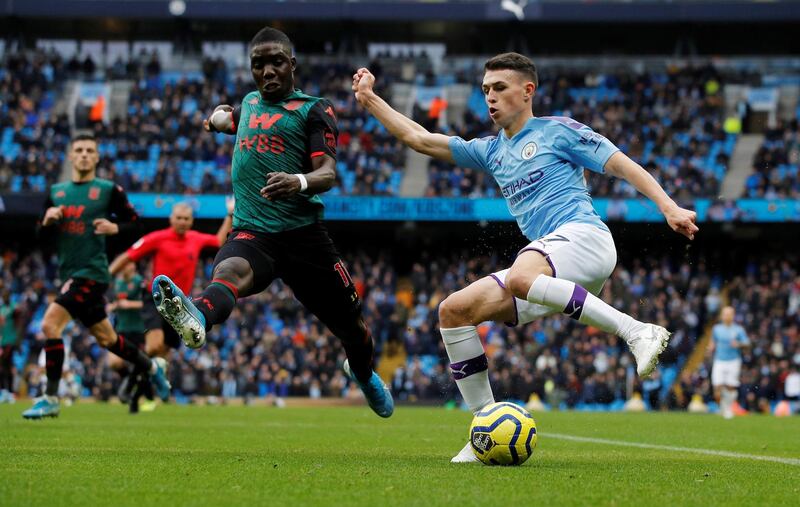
<point x="244" y="236"/>
<point x="529" y="151"/>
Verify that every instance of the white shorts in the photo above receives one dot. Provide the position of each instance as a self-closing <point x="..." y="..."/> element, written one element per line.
<point x="581" y="253"/>
<point x="726" y="373"/>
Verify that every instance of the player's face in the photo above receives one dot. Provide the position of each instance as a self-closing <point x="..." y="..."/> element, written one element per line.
<point x="84" y="156"/>
<point x="129" y="270"/>
<point x="272" y="67"/>
<point x="508" y="95"/>
<point x="181" y="219"/>
<point x="727" y="315"/>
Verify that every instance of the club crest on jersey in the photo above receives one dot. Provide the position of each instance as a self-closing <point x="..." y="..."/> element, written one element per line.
<point x="529" y="151"/>
<point x="94" y="193"/>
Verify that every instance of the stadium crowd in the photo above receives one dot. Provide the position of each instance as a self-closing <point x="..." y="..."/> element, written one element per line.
<point x="776" y="164"/>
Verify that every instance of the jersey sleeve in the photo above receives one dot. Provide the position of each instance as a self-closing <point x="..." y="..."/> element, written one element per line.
<point x="321" y="130"/>
<point x="741" y="336"/>
<point x="583" y="146"/>
<point x="146" y="245"/>
<point x="471" y="154"/>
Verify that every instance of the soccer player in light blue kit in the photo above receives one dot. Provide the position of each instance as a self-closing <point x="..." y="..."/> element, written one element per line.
<point x="539" y="164"/>
<point x="727" y="341"/>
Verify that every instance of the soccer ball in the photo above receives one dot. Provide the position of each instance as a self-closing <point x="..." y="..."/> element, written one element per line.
<point x="503" y="434"/>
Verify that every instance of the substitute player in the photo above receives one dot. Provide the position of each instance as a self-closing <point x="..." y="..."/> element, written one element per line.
<point x="285" y="154"/>
<point x="727" y="341"/>
<point x="539" y="164"/>
<point x="78" y="213"/>
<point x="176" y="251"/>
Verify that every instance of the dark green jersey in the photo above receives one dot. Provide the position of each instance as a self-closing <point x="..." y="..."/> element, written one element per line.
<point x="8" y="331"/>
<point x="129" y="321"/>
<point x="279" y="137"/>
<point x="81" y="252"/>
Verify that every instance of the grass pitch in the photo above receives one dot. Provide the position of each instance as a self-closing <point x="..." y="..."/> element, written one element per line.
<point x="96" y="454"/>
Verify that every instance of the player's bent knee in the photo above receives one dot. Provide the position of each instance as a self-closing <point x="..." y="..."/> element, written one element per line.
<point x="235" y="270"/>
<point x="51" y="329"/>
<point x="519" y="282"/>
<point x="455" y="311"/>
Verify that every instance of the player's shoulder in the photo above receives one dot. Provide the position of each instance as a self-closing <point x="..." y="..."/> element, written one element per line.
<point x="557" y="123"/>
<point x="251" y="98"/>
<point x="104" y="183"/>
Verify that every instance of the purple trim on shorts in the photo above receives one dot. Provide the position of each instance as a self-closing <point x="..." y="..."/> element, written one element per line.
<point x="464" y="369"/>
<point x="574" y="307"/>
<point x="499" y="282"/>
<point x="545" y="254"/>
<point x="513" y="300"/>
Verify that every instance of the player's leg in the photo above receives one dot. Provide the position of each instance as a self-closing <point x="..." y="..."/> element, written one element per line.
<point x="550" y="272"/>
<point x="156" y="368"/>
<point x="6" y="374"/>
<point x="459" y="314"/>
<point x="55" y="319"/>
<point x="315" y="272"/>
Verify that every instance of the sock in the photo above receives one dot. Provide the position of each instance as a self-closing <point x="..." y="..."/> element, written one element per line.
<point x="583" y="306"/>
<point x="360" y="356"/>
<point x="216" y="302"/>
<point x="128" y="351"/>
<point x="469" y="365"/>
<point x="54" y="364"/>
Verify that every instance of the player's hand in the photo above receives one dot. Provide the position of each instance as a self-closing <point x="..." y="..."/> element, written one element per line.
<point x="207" y="122"/>
<point x="53" y="215"/>
<point x="105" y="227"/>
<point x="230" y="204"/>
<point x="280" y="186"/>
<point x="682" y="221"/>
<point x="363" y="81"/>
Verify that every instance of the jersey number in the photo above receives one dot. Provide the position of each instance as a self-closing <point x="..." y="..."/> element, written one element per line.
<point x="339" y="267"/>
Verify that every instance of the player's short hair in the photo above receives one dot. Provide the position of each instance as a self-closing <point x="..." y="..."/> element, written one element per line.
<point x="269" y="34"/>
<point x="83" y="137"/>
<point x="516" y="62"/>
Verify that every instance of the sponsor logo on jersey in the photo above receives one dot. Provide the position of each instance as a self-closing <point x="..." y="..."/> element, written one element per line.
<point x="529" y="151"/>
<point x="526" y="181"/>
<point x="263" y="121"/>
<point x="73" y="211"/>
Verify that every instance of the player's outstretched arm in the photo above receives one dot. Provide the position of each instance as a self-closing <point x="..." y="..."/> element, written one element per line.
<point x="408" y="131"/>
<point x="681" y="220"/>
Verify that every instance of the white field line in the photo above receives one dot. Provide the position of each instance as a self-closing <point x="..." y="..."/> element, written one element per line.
<point x="671" y="448"/>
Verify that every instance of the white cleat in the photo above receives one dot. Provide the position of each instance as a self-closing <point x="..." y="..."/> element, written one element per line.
<point x="646" y="345"/>
<point x="465" y="455"/>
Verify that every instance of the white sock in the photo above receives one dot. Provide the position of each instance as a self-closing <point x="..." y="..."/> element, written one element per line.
<point x="153" y="367"/>
<point x="580" y="304"/>
<point x="468" y="364"/>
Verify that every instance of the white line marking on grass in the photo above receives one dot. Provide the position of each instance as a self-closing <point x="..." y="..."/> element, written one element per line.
<point x="695" y="450"/>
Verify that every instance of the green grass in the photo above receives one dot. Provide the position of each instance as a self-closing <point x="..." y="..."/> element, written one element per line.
<point x="97" y="454"/>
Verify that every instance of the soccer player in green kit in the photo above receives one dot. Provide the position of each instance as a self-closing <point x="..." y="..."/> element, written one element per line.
<point x="285" y="154"/>
<point x="78" y="213"/>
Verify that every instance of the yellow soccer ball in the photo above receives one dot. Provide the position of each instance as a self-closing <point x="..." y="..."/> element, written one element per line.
<point x="503" y="434"/>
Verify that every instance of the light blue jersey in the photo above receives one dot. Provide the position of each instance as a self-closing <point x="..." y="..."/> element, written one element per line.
<point x="723" y="336"/>
<point x="540" y="171"/>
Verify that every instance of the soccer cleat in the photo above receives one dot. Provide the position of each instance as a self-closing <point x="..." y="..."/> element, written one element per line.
<point x="646" y="345"/>
<point x="179" y="312"/>
<point x="378" y="395"/>
<point x="44" y="406"/>
<point x="159" y="379"/>
<point x="465" y="455"/>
